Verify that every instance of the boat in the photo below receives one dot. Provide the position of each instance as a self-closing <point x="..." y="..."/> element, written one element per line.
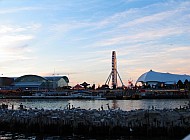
<point x="82" y="95"/>
<point x="73" y="95"/>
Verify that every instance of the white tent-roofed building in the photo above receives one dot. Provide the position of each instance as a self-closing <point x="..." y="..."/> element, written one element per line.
<point x="153" y="78"/>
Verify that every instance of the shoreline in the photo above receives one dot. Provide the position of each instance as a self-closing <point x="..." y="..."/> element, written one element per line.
<point x="95" y="97"/>
<point x="153" y="122"/>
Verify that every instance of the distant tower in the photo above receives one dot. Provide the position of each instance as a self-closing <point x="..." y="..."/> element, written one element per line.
<point x="114" y="73"/>
<point x="114" y="69"/>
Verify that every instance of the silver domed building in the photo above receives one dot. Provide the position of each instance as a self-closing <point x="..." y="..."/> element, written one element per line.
<point x="154" y="78"/>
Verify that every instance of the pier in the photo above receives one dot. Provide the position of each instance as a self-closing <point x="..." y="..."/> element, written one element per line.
<point x="70" y="120"/>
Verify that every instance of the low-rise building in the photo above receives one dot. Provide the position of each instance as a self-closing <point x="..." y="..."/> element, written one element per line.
<point x="35" y="82"/>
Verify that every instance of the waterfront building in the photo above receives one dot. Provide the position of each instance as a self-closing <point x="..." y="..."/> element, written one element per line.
<point x="153" y="78"/>
<point x="6" y="82"/>
<point x="35" y="82"/>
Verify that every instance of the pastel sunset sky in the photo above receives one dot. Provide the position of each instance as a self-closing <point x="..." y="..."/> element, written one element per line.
<point x="76" y="38"/>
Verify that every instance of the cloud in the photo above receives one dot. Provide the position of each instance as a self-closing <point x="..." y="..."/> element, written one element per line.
<point x="67" y="27"/>
<point x="10" y="29"/>
<point x="6" y="29"/>
<point x="177" y="49"/>
<point x="10" y="44"/>
<point x="148" y="19"/>
<point x="157" y="17"/>
<point x="19" y="9"/>
<point x="149" y="35"/>
<point x="15" y="40"/>
<point x="125" y="29"/>
<point x="14" y="35"/>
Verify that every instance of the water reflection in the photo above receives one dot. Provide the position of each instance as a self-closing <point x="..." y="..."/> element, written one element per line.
<point x="96" y="104"/>
<point x="17" y="136"/>
<point x="115" y="104"/>
<point x="86" y="104"/>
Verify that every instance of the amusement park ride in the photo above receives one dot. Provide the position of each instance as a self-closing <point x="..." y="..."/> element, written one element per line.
<point x="114" y="73"/>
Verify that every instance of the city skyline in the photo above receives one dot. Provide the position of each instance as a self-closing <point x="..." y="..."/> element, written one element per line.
<point x="76" y="38"/>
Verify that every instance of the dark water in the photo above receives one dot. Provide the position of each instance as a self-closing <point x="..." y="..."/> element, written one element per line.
<point x="96" y="104"/>
<point x="86" y="104"/>
<point x="18" y="136"/>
